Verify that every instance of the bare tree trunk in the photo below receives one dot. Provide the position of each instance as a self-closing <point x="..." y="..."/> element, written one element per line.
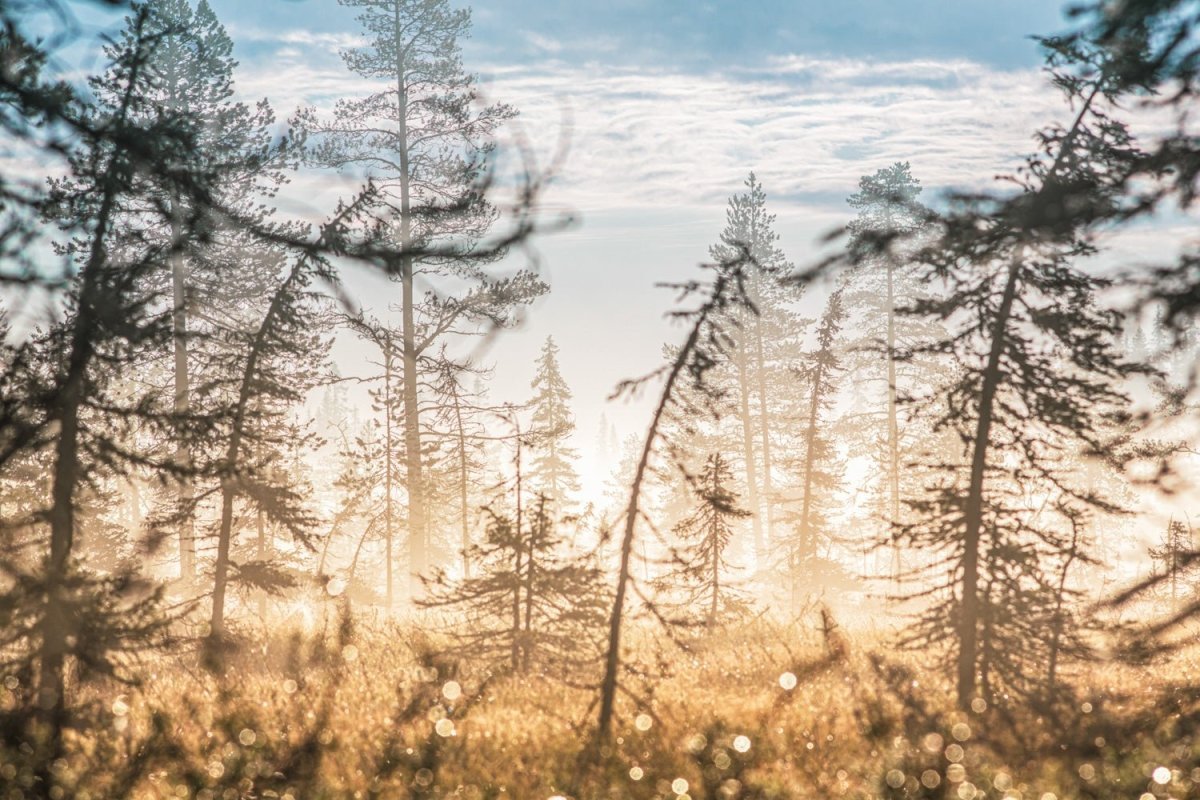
<point x="892" y="421"/>
<point x="387" y="478"/>
<point x="516" y="610"/>
<point x="751" y="465"/>
<point x="179" y="331"/>
<point x="465" y="533"/>
<point x="807" y="547"/>
<point x="412" y="420"/>
<point x="764" y="426"/>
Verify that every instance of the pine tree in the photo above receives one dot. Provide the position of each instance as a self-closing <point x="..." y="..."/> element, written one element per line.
<point x="425" y="142"/>
<point x="699" y="567"/>
<point x="721" y="301"/>
<point x="553" y="473"/>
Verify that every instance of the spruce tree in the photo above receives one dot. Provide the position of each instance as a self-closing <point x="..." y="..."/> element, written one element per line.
<point x="530" y="604"/>
<point x="552" y="425"/>
<point x="63" y="387"/>
<point x="1040" y="379"/>
<point x="210" y="279"/>
<point x="698" y="573"/>
<point x="819" y="473"/>
<point x="459" y="429"/>
<point x="882" y="282"/>
<point x="763" y="339"/>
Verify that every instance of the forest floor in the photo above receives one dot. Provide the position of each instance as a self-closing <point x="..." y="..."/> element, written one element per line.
<point x="760" y="711"/>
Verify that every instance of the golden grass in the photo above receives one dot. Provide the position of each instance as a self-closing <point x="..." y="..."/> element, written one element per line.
<point x="375" y="715"/>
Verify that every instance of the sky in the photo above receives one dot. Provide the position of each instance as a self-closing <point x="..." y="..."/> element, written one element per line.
<point x="667" y="106"/>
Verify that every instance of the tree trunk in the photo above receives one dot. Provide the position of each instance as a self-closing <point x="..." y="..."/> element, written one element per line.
<point x="387" y="478"/>
<point x="179" y="339"/>
<point x="806" y="545"/>
<point x="751" y="465"/>
<point x="516" y="610"/>
<point x="52" y="678"/>
<point x="892" y="421"/>
<point x="973" y="510"/>
<point x="183" y="454"/>
<point x="412" y="420"/>
<point x="229" y="488"/>
<point x="1059" y="616"/>
<point x="462" y="482"/>
<point x="612" y="658"/>
<point x="764" y="426"/>
<point x="716" y="575"/>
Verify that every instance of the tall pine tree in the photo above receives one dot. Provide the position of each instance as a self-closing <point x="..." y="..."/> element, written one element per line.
<point x="424" y="140"/>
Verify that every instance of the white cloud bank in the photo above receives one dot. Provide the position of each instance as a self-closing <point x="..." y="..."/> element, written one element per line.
<point x="810" y="127"/>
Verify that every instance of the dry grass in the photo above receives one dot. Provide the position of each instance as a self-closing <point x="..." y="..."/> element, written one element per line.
<point x="373" y="714"/>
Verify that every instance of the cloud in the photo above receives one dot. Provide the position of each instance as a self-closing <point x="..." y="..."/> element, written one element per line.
<point x="544" y="44"/>
<point x="810" y="127"/>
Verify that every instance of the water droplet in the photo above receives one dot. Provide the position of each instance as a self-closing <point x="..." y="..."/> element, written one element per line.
<point x="895" y="778"/>
<point x="1161" y="776"/>
<point x="679" y="786"/>
<point x="444" y="727"/>
<point x="787" y="681"/>
<point x="741" y="743"/>
<point x="452" y="691"/>
<point x="247" y="737"/>
<point x="636" y="773"/>
<point x="643" y="722"/>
